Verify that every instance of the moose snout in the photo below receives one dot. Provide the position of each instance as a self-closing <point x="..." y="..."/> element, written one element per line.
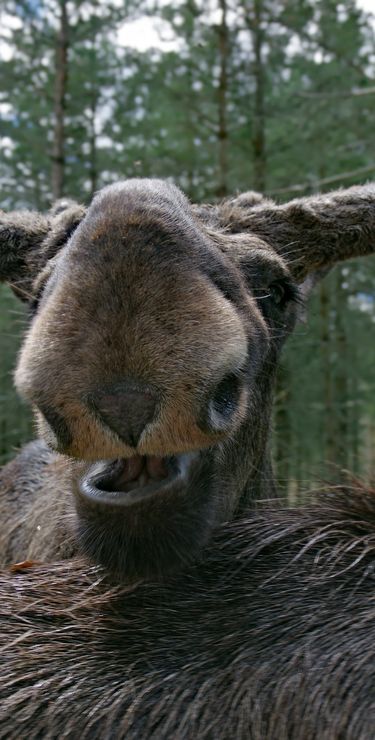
<point x="125" y="409"/>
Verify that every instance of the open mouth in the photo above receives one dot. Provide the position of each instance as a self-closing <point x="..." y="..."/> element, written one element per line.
<point x="127" y="481"/>
<point x="144" y="516"/>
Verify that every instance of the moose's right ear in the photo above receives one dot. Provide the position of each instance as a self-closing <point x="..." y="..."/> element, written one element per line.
<point x="29" y="239"/>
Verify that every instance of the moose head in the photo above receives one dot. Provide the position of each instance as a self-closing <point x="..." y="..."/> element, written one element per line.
<point x="154" y="336"/>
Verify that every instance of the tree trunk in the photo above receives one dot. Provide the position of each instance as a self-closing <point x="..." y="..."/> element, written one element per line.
<point x="93" y="169"/>
<point x="61" y="77"/>
<point x="259" y="135"/>
<point x="191" y="123"/>
<point x="354" y="464"/>
<point x="222" y="190"/>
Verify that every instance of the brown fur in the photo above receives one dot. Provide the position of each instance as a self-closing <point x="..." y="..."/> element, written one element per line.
<point x="270" y="636"/>
<point x="36" y="506"/>
<point x="270" y="633"/>
<point x="151" y="297"/>
<point x="309" y="233"/>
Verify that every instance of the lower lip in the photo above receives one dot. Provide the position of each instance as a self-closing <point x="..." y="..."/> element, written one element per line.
<point x="89" y="490"/>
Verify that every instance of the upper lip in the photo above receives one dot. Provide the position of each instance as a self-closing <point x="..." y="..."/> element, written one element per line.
<point x="126" y="481"/>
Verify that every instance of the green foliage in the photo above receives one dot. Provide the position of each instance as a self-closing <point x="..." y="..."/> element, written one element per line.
<point x="15" y="417"/>
<point x="185" y="112"/>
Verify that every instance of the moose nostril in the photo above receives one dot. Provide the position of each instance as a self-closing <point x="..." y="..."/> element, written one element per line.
<point x="125" y="410"/>
<point x="225" y="399"/>
<point x="222" y="403"/>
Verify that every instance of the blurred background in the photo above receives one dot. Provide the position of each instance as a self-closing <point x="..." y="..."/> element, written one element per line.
<point x="219" y="96"/>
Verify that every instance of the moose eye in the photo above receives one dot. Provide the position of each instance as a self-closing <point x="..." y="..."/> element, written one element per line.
<point x="278" y="292"/>
<point x="283" y="292"/>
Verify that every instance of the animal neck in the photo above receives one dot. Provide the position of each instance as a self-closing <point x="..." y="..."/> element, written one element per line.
<point x="253" y="450"/>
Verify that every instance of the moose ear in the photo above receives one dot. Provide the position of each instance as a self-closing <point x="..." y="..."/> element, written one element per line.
<point x="29" y="239"/>
<point x="313" y="233"/>
<point x="21" y="233"/>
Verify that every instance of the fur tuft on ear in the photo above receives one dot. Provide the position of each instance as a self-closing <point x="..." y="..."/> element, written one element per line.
<point x="64" y="204"/>
<point x="250" y="199"/>
<point x="29" y="239"/>
<point x="217" y="216"/>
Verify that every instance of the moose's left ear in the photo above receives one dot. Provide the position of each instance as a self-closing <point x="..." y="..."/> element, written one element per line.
<point x="29" y="239"/>
<point x="313" y="233"/>
<point x="21" y="233"/>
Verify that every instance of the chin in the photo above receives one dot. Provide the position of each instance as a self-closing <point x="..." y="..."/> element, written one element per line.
<point x="146" y="517"/>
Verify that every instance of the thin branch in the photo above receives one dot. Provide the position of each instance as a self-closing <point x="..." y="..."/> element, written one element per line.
<point x="355" y="92"/>
<point x="324" y="181"/>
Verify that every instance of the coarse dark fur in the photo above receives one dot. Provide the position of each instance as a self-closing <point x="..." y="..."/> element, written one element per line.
<point x="270" y="637"/>
<point x="156" y="329"/>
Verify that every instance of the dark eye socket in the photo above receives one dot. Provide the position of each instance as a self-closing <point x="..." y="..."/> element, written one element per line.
<point x="282" y="292"/>
<point x="278" y="292"/>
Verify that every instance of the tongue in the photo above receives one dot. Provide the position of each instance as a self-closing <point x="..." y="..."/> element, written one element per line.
<point x="139" y="470"/>
<point x="156" y="467"/>
<point x="132" y="469"/>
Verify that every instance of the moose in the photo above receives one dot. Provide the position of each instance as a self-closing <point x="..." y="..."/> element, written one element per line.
<point x="155" y="331"/>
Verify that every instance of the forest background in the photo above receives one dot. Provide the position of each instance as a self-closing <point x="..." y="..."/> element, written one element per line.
<point x="219" y="96"/>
